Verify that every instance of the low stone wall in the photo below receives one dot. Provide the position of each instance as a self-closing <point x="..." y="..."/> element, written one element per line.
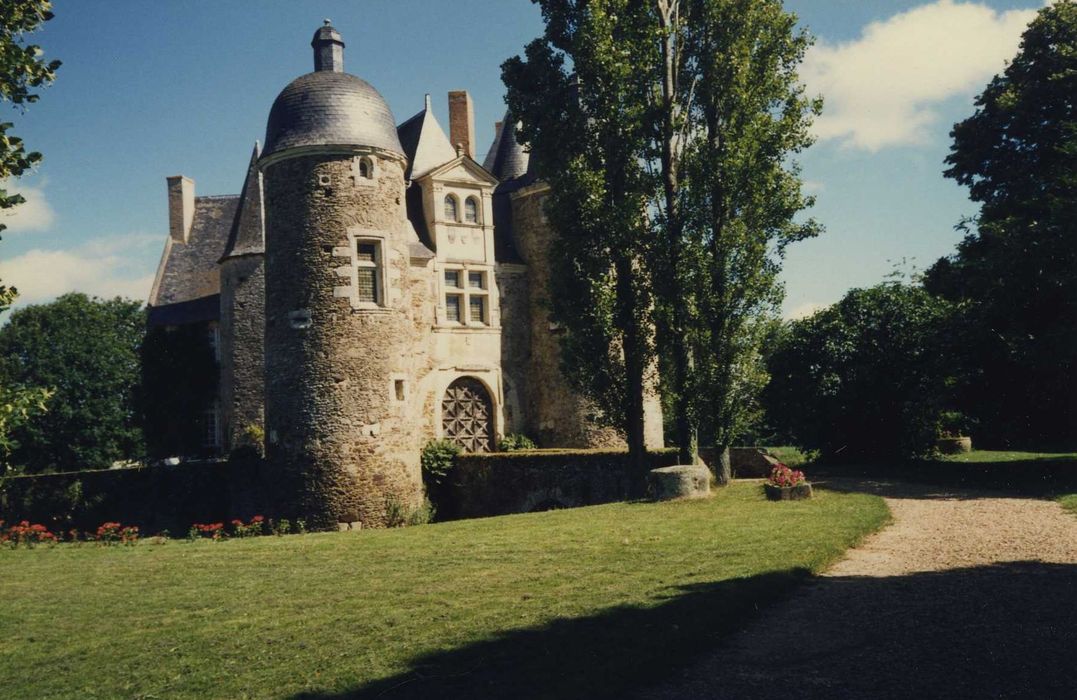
<point x="533" y="480"/>
<point x="153" y="498"/>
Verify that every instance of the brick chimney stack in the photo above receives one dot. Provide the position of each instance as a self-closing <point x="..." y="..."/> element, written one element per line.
<point x="180" y="207"/>
<point x="462" y="121"/>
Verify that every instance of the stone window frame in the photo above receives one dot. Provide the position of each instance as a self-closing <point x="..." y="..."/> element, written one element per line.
<point x="464" y="291"/>
<point x="451" y="200"/>
<point x="472" y="210"/>
<point x="351" y="271"/>
<point x="211" y="430"/>
<point x="357" y="177"/>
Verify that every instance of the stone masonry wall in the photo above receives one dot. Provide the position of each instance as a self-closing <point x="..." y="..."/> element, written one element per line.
<point x="242" y="348"/>
<point x="557" y="416"/>
<point x="340" y="443"/>
<point x="515" y="345"/>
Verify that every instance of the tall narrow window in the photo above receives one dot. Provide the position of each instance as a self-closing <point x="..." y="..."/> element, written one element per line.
<point x="450" y="209"/>
<point x="366" y="169"/>
<point x="471" y="210"/>
<point x="477" y="308"/>
<point x="367" y="282"/>
<point x="452" y="307"/>
<point x="211" y="438"/>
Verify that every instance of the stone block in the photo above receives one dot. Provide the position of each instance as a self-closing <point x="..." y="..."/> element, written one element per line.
<point x="679" y="481"/>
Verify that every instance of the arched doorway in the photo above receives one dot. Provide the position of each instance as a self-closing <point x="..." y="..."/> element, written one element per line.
<point x="467" y="415"/>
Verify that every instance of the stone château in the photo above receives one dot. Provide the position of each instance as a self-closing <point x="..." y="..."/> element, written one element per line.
<point x="371" y="288"/>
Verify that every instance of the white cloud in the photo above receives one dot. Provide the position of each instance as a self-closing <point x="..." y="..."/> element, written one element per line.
<point x="106" y="267"/>
<point x="804" y="310"/>
<point x="34" y="214"/>
<point x="884" y="88"/>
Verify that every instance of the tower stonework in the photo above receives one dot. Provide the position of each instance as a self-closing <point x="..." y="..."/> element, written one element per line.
<point x="345" y="328"/>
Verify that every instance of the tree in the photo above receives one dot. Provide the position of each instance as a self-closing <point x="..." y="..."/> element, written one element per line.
<point x="580" y="98"/>
<point x="869" y="377"/>
<point x="86" y="351"/>
<point x="1015" y="272"/>
<point x="21" y="70"/>
<point x="746" y="117"/>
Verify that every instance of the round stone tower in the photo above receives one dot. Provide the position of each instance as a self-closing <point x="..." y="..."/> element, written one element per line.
<point x="341" y="340"/>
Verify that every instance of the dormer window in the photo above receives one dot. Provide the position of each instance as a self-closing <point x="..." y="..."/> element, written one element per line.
<point x="451" y="209"/>
<point x="471" y="210"/>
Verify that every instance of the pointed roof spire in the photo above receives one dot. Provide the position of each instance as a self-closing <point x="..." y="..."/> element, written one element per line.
<point x="507" y="158"/>
<point x="425" y="143"/>
<point x="247" y="236"/>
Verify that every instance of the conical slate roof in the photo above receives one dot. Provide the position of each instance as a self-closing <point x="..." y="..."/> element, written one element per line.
<point x="507" y="159"/>
<point x="247" y="235"/>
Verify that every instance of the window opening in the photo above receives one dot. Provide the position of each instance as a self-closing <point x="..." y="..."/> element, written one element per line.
<point x="471" y="211"/>
<point x="450" y="208"/>
<point x="367" y="257"/>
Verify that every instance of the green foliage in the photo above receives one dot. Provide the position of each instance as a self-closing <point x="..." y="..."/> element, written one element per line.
<point x="1015" y="272"/>
<point x="515" y="441"/>
<point x="866" y="377"/>
<point x="179" y="382"/>
<point x="22" y="69"/>
<point x="86" y="351"/>
<point x="399" y="514"/>
<point x="437" y="459"/>
<point x="582" y="101"/>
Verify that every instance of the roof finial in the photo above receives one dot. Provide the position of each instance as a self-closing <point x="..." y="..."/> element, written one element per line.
<point x="328" y="49"/>
<point x="427" y="103"/>
<point x="327" y="22"/>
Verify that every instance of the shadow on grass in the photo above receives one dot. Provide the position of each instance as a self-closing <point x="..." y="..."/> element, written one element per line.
<point x="1005" y="630"/>
<point x="597" y="656"/>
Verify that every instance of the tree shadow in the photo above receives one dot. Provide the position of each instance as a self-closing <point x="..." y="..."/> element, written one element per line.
<point x="1035" y="478"/>
<point x="1003" y="631"/>
<point x="596" y="656"/>
<point x="1006" y="630"/>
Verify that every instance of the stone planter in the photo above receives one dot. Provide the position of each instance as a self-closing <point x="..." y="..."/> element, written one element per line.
<point x="953" y="445"/>
<point x="680" y="481"/>
<point x="787" y="493"/>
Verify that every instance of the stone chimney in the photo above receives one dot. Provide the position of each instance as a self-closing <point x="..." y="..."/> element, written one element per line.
<point x="462" y="121"/>
<point x="328" y="49"/>
<point x="180" y="207"/>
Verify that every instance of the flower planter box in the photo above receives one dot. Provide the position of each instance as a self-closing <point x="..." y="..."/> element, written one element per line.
<point x="954" y="445"/>
<point x="787" y="493"/>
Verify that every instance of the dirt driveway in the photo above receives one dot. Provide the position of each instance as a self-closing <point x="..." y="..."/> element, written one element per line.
<point x="965" y="595"/>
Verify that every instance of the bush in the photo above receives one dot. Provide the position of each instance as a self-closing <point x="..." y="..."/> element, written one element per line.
<point x="437" y="460"/>
<point x="866" y="377"/>
<point x="515" y="441"/>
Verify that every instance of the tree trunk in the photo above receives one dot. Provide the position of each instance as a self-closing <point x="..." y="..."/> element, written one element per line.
<point x="722" y="467"/>
<point x="635" y="369"/>
<point x="687" y="447"/>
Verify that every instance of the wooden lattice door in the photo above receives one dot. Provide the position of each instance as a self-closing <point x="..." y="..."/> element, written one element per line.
<point x="467" y="415"/>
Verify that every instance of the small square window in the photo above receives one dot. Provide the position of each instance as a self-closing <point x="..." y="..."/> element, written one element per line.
<point x="477" y="306"/>
<point x="452" y="307"/>
<point x="452" y="278"/>
<point x="476" y="280"/>
<point x="398" y="389"/>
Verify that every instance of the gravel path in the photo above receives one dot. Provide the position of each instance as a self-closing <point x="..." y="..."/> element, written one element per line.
<point x="965" y="595"/>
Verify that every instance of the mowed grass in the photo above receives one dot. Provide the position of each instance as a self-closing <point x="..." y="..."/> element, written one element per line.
<point x="998" y="456"/>
<point x="566" y="603"/>
<point x="1069" y="502"/>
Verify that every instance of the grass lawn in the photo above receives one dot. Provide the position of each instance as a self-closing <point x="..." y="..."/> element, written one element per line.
<point x="993" y="456"/>
<point x="566" y="603"/>
<point x="1069" y="502"/>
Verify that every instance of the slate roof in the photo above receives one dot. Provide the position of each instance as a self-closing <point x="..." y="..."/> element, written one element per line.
<point x="326" y="108"/>
<point x="194" y="311"/>
<point x="424" y="142"/>
<point x="247" y="234"/>
<point x="189" y="271"/>
<point x="507" y="159"/>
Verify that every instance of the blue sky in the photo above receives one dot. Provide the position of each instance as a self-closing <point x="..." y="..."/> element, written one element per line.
<point x="149" y="90"/>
